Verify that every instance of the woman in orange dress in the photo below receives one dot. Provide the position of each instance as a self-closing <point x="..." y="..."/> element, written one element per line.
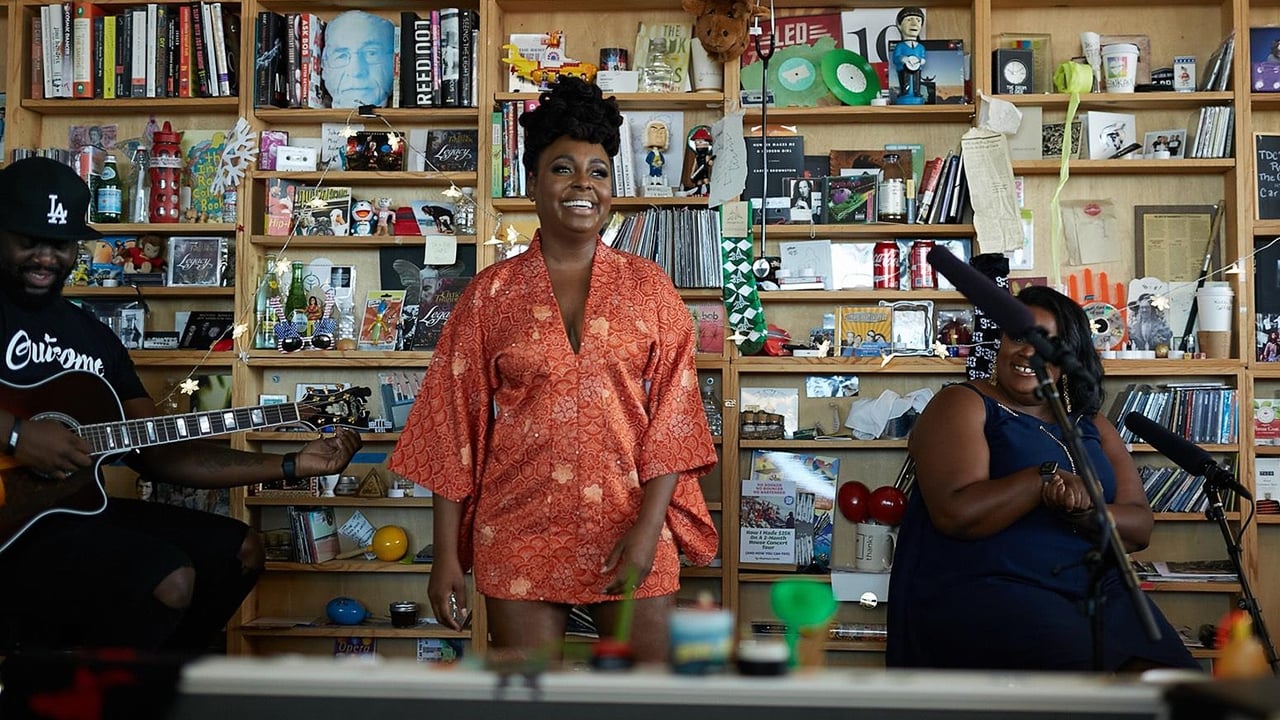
<point x="560" y="426"/>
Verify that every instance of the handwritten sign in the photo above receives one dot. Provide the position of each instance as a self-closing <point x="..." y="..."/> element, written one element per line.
<point x="1266" y="150"/>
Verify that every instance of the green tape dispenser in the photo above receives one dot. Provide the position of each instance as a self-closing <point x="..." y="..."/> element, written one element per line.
<point x="1073" y="77"/>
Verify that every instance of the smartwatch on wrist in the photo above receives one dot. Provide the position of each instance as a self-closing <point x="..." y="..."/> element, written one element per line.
<point x="1047" y="471"/>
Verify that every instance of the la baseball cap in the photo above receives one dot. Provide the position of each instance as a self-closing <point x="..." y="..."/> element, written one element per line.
<point x="43" y="198"/>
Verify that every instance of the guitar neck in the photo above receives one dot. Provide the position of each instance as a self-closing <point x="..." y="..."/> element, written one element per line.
<point x="115" y="437"/>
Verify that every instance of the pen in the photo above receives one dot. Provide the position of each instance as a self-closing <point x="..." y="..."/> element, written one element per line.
<point x="1125" y="150"/>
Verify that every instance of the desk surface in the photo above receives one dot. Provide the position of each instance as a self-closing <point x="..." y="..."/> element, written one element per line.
<point x="286" y="687"/>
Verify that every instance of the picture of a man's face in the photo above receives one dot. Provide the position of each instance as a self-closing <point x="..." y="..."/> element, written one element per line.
<point x="358" y="59"/>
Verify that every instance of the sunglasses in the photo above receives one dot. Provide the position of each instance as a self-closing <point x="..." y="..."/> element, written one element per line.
<point x="322" y="336"/>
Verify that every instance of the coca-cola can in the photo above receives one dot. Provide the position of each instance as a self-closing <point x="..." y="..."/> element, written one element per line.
<point x="884" y="263"/>
<point x="923" y="276"/>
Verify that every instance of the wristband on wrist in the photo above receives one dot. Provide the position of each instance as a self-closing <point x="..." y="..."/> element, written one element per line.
<point x="289" y="466"/>
<point x="11" y="445"/>
<point x="1048" y="471"/>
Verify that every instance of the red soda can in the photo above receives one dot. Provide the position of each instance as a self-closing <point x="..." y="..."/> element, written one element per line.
<point x="923" y="276"/>
<point x="884" y="264"/>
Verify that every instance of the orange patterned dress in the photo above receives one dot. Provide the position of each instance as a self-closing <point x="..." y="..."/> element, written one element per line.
<point x="549" y="448"/>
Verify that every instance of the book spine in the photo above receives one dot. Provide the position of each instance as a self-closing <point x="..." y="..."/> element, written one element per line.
<point x="161" y="42"/>
<point x="435" y="58"/>
<point x="138" y="59"/>
<point x="171" y="70"/>
<point x="37" y="55"/>
<point x="82" y="51"/>
<point x="210" y="54"/>
<point x="149" y="51"/>
<point x="67" y="45"/>
<point x="510" y="158"/>
<point x="199" y="56"/>
<point x="99" y="55"/>
<point x="423" y="74"/>
<point x="449" y="49"/>
<point x="313" y="92"/>
<point x="495" y="154"/>
<point x="220" y="49"/>
<point x="184" y="51"/>
<point x="293" y="59"/>
<point x="468" y="20"/>
<point x="53" y="51"/>
<point x="110" y="60"/>
<point x="408" y="98"/>
<point x="124" y="53"/>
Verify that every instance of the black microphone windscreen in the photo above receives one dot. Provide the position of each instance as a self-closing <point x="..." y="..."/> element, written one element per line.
<point x="1180" y="450"/>
<point x="1007" y="311"/>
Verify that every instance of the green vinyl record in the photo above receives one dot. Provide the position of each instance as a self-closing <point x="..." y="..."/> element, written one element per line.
<point x="850" y="77"/>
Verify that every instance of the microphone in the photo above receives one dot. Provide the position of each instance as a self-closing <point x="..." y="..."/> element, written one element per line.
<point x="1185" y="453"/>
<point x="1013" y="317"/>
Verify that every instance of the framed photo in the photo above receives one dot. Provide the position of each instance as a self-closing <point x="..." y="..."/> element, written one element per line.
<point x="131" y="326"/>
<point x="198" y="261"/>
<point x="1171" y="141"/>
<point x="1170" y="241"/>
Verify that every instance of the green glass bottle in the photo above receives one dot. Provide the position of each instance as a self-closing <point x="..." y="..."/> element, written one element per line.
<point x="268" y="288"/>
<point x="295" y="303"/>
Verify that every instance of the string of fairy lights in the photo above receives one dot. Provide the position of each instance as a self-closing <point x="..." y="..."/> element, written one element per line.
<point x="511" y="238"/>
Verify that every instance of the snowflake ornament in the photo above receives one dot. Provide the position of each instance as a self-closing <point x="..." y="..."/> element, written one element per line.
<point x="239" y="151"/>
<point x="238" y="330"/>
<point x="1161" y="303"/>
<point x="189" y="386"/>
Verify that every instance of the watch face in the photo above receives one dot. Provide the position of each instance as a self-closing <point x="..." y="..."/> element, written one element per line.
<point x="1015" y="72"/>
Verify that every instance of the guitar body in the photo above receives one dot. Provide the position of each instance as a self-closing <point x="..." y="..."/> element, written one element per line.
<point x="73" y="398"/>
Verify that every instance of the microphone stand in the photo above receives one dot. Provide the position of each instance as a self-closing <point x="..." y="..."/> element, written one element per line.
<point x="1248" y="601"/>
<point x="1108" y="543"/>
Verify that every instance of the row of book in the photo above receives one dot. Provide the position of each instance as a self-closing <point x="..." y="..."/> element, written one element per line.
<point x="1170" y="489"/>
<point x="80" y="51"/>
<point x="507" y="148"/>
<point x="1199" y="412"/>
<point x="426" y="60"/>
<point x="1215" y="132"/>
<point x="314" y="532"/>
<point x="685" y="242"/>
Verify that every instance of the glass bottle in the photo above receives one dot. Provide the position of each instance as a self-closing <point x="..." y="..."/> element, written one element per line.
<point x="268" y="288"/>
<point x="658" y="74"/>
<point x="892" y="194"/>
<point x="108" y="195"/>
<point x="464" y="217"/>
<point x="346" y="324"/>
<point x="711" y="406"/>
<point x="295" y="303"/>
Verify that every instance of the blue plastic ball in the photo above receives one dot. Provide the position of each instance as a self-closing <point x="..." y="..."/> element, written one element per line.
<point x="346" y="611"/>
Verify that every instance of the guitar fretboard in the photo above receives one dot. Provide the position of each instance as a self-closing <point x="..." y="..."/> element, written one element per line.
<point x="134" y="434"/>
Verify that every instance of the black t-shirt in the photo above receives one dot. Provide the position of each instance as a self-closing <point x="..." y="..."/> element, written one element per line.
<point x="39" y="343"/>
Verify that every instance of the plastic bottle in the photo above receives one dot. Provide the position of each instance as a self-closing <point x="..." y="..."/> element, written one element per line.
<point x="658" y="75"/>
<point x="268" y="288"/>
<point x="108" y="197"/>
<point x="295" y="303"/>
<point x="892" y="194"/>
<point x="464" y="217"/>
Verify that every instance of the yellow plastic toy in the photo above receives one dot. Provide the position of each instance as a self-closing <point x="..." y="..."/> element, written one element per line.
<point x="390" y="543"/>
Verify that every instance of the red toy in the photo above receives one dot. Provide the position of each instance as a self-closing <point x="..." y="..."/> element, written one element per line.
<point x="853" y="498"/>
<point x="887" y="505"/>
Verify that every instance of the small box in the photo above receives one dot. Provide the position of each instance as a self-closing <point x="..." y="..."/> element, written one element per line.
<point x="1184" y="73"/>
<point x="1012" y="71"/>
<point x="291" y="158"/>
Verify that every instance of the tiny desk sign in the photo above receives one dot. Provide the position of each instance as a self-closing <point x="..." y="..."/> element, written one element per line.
<point x="1267" y="152"/>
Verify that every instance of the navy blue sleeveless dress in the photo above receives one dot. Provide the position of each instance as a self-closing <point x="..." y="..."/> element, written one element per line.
<point x="1015" y="599"/>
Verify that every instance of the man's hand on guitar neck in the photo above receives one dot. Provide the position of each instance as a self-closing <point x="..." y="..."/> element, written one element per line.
<point x="328" y="454"/>
<point x="48" y="448"/>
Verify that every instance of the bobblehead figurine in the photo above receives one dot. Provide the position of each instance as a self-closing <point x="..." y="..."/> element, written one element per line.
<point x="656" y="141"/>
<point x="909" y="56"/>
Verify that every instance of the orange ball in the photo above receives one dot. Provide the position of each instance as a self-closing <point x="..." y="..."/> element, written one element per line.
<point x="390" y="543"/>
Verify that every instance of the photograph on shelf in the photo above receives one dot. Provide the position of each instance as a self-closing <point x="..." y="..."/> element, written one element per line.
<point x="369" y="150"/>
<point x="1170" y="141"/>
<point x="205" y="328"/>
<point x="132" y="322"/>
<point x="322" y="210"/>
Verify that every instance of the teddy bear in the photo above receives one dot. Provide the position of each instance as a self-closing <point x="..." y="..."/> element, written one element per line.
<point x="721" y="25"/>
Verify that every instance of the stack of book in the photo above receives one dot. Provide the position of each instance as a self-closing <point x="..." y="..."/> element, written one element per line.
<point x="315" y="534"/>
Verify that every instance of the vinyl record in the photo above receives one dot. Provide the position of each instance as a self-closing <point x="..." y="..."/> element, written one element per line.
<point x="850" y="77"/>
<point x="1106" y="324"/>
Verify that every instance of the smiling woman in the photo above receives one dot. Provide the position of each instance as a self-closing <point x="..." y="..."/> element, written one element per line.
<point x="590" y="457"/>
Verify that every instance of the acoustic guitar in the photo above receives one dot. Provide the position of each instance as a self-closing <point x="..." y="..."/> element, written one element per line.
<point x="89" y="407"/>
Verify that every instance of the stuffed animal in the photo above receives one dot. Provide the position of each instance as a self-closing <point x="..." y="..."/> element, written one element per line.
<point x="721" y="25"/>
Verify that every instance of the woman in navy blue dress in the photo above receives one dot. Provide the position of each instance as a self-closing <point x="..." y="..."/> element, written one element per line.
<point x="990" y="571"/>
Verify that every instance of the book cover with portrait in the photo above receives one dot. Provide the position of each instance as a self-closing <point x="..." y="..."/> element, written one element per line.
<point x="322" y="210"/>
<point x="438" y="296"/>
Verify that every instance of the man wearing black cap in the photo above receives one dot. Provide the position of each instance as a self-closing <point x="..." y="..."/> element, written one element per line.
<point x="135" y="574"/>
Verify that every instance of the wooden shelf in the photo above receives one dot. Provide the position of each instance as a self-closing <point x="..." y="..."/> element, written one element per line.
<point x="854" y="646"/>
<point x="1175" y="517"/>
<point x="1192" y="166"/>
<point x="151" y="292"/>
<point x="1129" y="368"/>
<point x="182" y="358"/>
<point x="340" y="358"/>
<point x="341" y="501"/>
<point x="865" y="231"/>
<point x="1266" y="519"/>
<point x="853" y="114"/>
<point x="365" y="629"/>
<point x="845" y="444"/>
<point x="908" y="365"/>
<point x="619" y="203"/>
<point x="838" y="297"/>
<point x="1123" y="101"/>
<point x="701" y="572"/>
<point x="350" y="566"/>
<point x="639" y="101"/>
<point x="372" y="177"/>
<point x="133" y="106"/>
<point x="353" y="242"/>
<point x="1207" y="447"/>
<point x="164" y="228"/>
<point x="1191" y="587"/>
<point x="396" y="116"/>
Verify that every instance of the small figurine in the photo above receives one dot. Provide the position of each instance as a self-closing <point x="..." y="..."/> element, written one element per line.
<point x="909" y="56"/>
<point x="362" y="218"/>
<point x="655" y="141"/>
<point x="144" y="256"/>
<point x="385" y="217"/>
<point x="700" y="161"/>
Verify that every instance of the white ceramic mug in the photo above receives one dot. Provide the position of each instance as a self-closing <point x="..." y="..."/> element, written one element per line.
<point x="875" y="546"/>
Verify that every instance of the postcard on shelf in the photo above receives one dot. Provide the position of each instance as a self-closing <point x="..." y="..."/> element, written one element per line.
<point x="197" y="260"/>
<point x="269" y="144"/>
<point x="1266" y="423"/>
<point x="709" y="324"/>
<point x="204" y="328"/>
<point x="1053" y="135"/>
<point x="323" y="210"/>
<point x="380" y="319"/>
<point x="375" y="151"/>
<point x="434" y="218"/>
<point x="767" y="522"/>
<point x="1107" y="133"/>
<point x="864" y="330"/>
<point x="1170" y="141"/>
